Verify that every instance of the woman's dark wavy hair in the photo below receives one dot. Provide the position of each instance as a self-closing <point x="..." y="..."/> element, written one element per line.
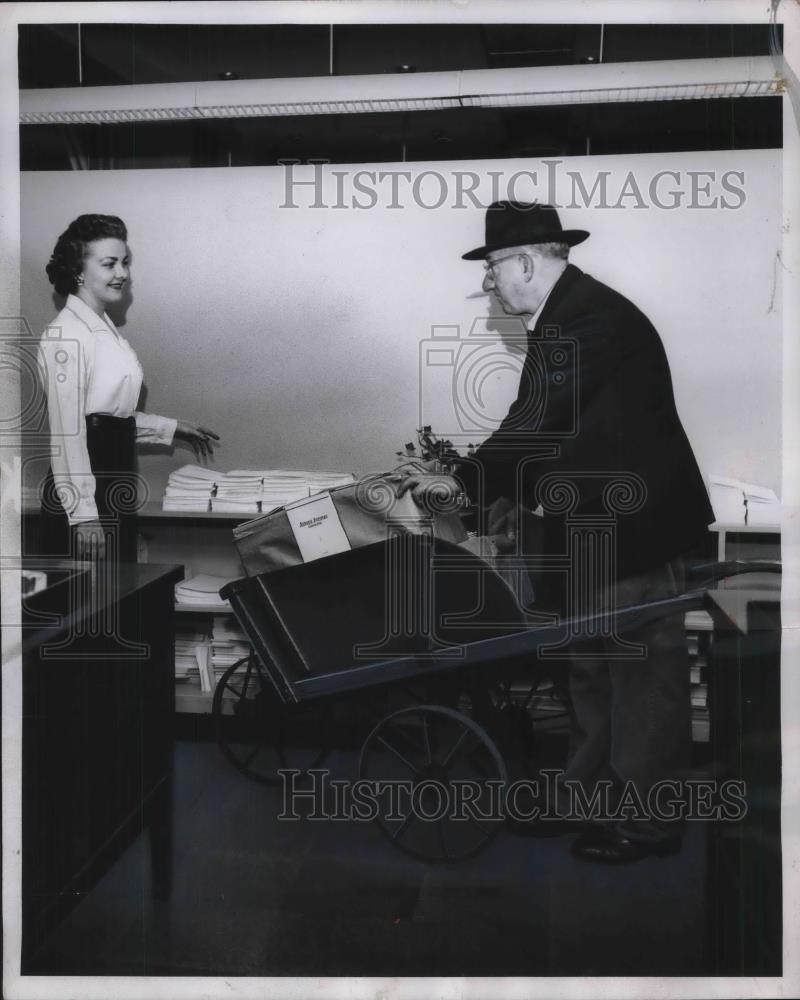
<point x="66" y="262"/>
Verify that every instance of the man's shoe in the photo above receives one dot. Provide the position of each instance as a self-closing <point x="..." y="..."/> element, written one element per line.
<point x="606" y="847"/>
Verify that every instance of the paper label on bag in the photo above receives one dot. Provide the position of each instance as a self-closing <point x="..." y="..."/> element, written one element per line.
<point x="317" y="528"/>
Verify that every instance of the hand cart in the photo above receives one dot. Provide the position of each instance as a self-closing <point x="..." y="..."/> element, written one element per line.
<point x="420" y="637"/>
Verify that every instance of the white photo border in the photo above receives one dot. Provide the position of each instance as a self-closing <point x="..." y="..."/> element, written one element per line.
<point x="393" y="11"/>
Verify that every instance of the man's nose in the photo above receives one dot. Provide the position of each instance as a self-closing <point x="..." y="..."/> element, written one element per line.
<point x="488" y="282"/>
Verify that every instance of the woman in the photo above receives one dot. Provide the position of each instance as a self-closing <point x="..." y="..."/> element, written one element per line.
<point x="93" y="379"/>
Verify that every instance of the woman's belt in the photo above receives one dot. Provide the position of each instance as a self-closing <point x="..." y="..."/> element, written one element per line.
<point x="99" y="421"/>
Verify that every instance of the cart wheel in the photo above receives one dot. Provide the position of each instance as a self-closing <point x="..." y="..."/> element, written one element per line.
<point x="426" y="760"/>
<point x="257" y="733"/>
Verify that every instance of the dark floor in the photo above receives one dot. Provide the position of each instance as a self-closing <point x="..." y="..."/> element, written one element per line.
<point x="255" y="896"/>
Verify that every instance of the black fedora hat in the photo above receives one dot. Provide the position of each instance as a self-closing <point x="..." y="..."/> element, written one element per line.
<point x="519" y="223"/>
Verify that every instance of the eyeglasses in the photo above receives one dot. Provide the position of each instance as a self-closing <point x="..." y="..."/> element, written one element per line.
<point x="489" y="265"/>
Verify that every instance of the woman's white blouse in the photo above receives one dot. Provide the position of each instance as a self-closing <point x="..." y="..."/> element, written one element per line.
<point x="88" y="367"/>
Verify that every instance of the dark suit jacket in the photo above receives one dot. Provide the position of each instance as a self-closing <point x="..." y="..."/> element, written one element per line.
<point x="596" y="389"/>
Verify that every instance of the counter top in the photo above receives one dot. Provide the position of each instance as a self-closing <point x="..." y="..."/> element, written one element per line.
<point x="82" y="592"/>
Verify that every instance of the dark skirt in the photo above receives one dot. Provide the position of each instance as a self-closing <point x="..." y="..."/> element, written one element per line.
<point x="111" y="442"/>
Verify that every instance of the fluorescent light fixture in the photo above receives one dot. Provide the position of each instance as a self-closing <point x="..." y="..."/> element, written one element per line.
<point x="604" y="83"/>
<point x="687" y="79"/>
<point x="334" y="95"/>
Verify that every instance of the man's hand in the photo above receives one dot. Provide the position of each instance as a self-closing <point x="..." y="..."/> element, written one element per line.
<point x="430" y="489"/>
<point x="502" y="525"/>
<point x="200" y="438"/>
<point x="90" y="540"/>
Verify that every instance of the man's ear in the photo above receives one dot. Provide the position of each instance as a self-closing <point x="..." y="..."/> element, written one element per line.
<point x="528" y="266"/>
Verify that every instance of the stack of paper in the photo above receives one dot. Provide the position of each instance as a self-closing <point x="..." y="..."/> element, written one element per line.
<point x="228" y="644"/>
<point x="191" y="661"/>
<point x="737" y="502"/>
<point x="190" y="488"/>
<point x="244" y="491"/>
<point x="320" y="481"/>
<point x="202" y="589"/>
<point x="238" y="492"/>
<point x="763" y="506"/>
<point x="698" y="621"/>
<point x="281" y="486"/>
<point x="192" y="640"/>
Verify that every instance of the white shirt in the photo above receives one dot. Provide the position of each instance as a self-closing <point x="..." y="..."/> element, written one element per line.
<point x="87" y="366"/>
<point x="538" y="313"/>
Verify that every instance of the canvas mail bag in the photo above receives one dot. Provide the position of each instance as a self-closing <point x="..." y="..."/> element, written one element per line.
<point x="369" y="511"/>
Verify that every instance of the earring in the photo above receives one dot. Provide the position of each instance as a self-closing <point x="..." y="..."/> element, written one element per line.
<point x="80" y="280"/>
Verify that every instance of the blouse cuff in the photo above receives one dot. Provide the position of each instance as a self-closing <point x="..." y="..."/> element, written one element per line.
<point x="84" y="510"/>
<point x="152" y="429"/>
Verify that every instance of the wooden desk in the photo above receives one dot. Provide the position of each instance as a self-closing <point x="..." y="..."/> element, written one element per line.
<point x="98" y="700"/>
<point x="744" y="857"/>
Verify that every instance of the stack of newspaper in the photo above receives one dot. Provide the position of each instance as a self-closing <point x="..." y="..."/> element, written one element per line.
<point x="190" y="488"/>
<point x="191" y="647"/>
<point x="244" y="491"/>
<point x="736" y="502"/>
<point x="201" y="590"/>
<point x="281" y="487"/>
<point x="237" y="492"/>
<point x="205" y="648"/>
<point x="228" y="644"/>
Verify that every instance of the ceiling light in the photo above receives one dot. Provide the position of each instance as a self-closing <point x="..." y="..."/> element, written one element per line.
<point x="686" y="79"/>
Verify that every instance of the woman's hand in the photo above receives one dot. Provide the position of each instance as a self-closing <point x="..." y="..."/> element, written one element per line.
<point x="90" y="540"/>
<point x="200" y="438"/>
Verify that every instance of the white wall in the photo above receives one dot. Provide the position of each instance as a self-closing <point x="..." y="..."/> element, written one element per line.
<point x="296" y="332"/>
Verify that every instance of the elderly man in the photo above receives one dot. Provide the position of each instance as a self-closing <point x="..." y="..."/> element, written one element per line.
<point x="600" y="412"/>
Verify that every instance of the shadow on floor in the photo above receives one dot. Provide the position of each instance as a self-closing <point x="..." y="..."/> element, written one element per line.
<point x="255" y="896"/>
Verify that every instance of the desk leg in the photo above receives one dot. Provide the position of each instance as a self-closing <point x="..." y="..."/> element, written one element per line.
<point x="744" y="859"/>
<point x="162" y="743"/>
